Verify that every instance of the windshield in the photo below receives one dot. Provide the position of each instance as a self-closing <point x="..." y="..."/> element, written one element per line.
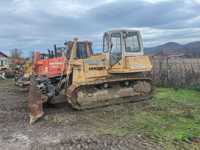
<point x="132" y="42"/>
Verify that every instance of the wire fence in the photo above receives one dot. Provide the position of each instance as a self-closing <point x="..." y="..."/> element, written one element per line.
<point x="176" y="72"/>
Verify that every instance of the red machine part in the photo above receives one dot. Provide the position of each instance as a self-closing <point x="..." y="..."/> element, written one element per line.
<point x="50" y="67"/>
<point x="56" y="66"/>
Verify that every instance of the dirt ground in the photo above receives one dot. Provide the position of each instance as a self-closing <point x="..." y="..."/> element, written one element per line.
<point x="62" y="127"/>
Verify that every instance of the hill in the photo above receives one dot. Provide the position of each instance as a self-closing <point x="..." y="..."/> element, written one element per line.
<point x="191" y="49"/>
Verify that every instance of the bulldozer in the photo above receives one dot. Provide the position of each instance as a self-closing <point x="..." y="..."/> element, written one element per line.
<point x="22" y="76"/>
<point x="120" y="74"/>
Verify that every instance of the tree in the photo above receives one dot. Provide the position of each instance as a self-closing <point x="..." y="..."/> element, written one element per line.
<point x="16" y="57"/>
<point x="16" y="54"/>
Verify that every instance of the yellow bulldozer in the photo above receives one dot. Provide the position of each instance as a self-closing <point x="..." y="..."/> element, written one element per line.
<point x="120" y="74"/>
<point x="22" y="76"/>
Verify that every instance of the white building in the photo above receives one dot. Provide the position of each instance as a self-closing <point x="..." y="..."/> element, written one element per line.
<point x="4" y="61"/>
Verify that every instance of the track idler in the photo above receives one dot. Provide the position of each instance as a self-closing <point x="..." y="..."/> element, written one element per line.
<point x="35" y="102"/>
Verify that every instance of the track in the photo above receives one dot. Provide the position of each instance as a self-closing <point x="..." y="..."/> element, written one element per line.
<point x="110" y="93"/>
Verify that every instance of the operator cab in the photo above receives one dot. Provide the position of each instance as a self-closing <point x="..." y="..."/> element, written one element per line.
<point x="118" y="44"/>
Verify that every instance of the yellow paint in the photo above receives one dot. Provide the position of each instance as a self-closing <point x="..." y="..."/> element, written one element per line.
<point x="27" y="69"/>
<point x="132" y="64"/>
<point x="95" y="67"/>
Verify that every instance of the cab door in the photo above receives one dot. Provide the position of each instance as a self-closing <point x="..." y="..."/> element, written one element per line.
<point x="115" y="49"/>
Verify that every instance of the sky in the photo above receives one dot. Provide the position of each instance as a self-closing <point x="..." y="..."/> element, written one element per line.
<point x="39" y="24"/>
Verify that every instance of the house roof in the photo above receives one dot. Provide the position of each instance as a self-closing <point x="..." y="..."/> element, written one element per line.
<point x="2" y="54"/>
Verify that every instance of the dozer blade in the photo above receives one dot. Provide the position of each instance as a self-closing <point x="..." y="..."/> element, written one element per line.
<point x="35" y="103"/>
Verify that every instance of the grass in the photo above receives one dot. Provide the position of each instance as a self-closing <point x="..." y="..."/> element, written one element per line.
<point x="173" y="116"/>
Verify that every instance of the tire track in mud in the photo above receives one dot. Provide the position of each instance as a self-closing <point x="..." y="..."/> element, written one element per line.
<point x="62" y="127"/>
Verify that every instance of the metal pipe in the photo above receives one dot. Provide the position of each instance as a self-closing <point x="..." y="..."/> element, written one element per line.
<point x="52" y="55"/>
<point x="55" y="50"/>
<point x="49" y="53"/>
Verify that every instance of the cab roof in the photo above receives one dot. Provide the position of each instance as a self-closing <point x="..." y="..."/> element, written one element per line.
<point x="122" y="30"/>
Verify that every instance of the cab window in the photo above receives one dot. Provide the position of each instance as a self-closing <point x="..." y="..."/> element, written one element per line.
<point x="132" y="42"/>
<point x="116" y="51"/>
<point x="116" y="43"/>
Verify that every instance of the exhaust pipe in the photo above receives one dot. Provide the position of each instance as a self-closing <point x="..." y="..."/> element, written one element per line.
<point x="49" y="52"/>
<point x="55" y="50"/>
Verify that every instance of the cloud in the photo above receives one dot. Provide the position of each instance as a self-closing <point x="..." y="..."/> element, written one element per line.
<point x="145" y="14"/>
<point x="38" y="24"/>
<point x="160" y="36"/>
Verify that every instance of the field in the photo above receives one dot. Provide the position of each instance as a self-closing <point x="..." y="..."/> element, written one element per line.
<point x="169" y="121"/>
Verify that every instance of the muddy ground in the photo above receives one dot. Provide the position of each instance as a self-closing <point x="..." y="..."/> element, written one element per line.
<point x="62" y="127"/>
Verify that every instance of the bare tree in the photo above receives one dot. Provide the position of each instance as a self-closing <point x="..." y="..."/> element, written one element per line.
<point x="16" y="54"/>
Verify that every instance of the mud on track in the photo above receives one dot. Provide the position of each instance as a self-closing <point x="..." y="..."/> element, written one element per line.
<point x="62" y="127"/>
